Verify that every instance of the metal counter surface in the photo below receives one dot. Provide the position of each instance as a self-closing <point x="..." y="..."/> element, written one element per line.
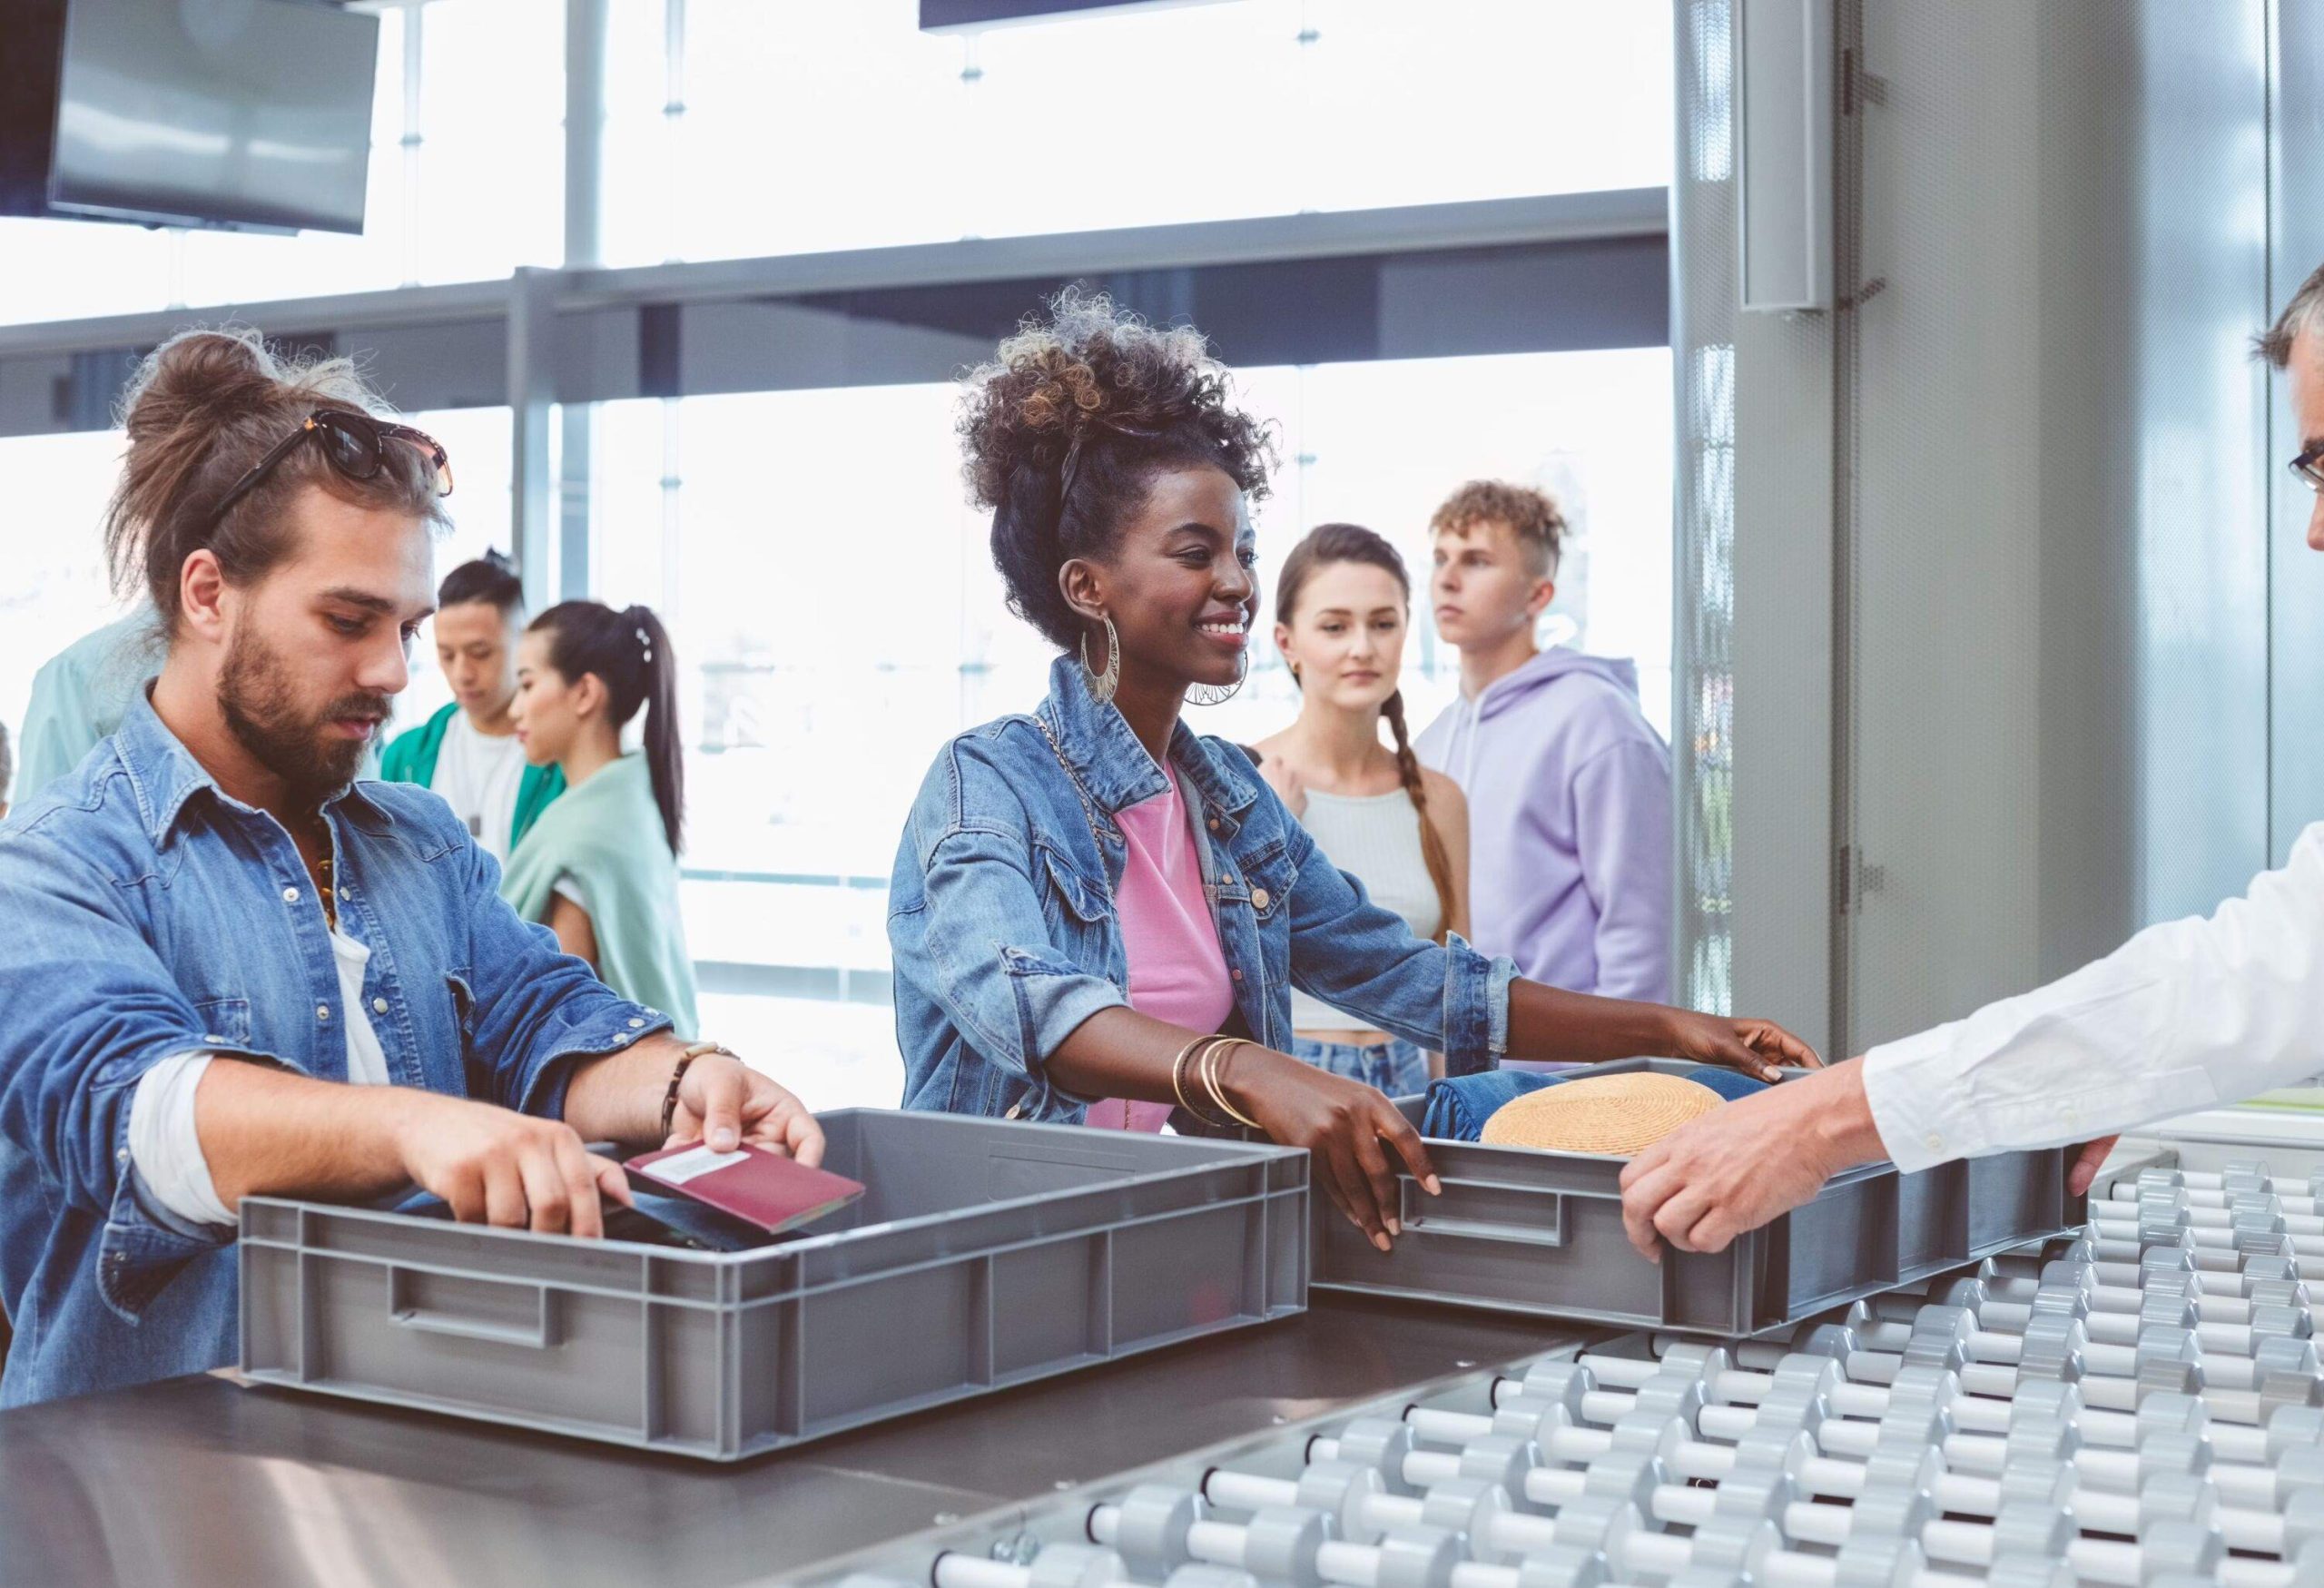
<point x="203" y="1483"/>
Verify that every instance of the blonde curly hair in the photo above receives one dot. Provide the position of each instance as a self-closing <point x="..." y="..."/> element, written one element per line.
<point x="1533" y="516"/>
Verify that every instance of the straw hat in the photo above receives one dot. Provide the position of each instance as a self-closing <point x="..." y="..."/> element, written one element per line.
<point x="1609" y="1114"/>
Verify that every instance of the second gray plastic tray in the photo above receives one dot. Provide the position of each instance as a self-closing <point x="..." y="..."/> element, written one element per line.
<point x="1518" y="1230"/>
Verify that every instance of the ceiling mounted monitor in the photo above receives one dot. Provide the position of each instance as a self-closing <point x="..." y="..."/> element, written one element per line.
<point x="966" y="16"/>
<point x="253" y="115"/>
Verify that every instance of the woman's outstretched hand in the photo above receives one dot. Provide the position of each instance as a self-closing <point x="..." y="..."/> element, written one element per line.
<point x="1348" y="1129"/>
<point x="1754" y="1047"/>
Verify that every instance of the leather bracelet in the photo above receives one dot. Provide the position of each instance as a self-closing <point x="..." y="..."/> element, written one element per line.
<point x="677" y="1076"/>
<point x="1201" y="1054"/>
<point x="1178" y="1073"/>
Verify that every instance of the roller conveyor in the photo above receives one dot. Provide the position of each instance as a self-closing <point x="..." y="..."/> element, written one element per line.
<point x="2143" y="1405"/>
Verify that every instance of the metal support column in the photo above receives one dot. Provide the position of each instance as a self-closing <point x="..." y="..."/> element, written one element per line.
<point x="586" y="43"/>
<point x="532" y="392"/>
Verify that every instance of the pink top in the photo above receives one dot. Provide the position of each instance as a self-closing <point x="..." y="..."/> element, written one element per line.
<point x="1178" y="972"/>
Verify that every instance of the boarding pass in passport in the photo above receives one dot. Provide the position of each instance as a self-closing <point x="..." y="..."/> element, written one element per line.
<point x="766" y="1188"/>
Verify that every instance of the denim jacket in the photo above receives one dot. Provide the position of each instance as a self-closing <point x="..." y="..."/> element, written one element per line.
<point x="1001" y="911"/>
<point x="146" y="914"/>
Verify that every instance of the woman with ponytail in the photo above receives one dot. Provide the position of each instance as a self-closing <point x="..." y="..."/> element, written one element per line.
<point x="1097" y="915"/>
<point x="600" y="866"/>
<point x="1342" y="605"/>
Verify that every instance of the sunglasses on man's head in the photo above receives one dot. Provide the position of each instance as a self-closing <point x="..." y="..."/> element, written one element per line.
<point x="2309" y="468"/>
<point x="354" y="444"/>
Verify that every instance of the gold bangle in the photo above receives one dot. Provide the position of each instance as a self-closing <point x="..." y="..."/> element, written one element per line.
<point x="1210" y="1080"/>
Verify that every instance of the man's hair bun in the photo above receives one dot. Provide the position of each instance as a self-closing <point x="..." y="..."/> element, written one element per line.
<point x="204" y="374"/>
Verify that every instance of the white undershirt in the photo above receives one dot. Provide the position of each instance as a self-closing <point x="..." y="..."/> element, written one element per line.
<point x="479" y="777"/>
<point x="164" y="1144"/>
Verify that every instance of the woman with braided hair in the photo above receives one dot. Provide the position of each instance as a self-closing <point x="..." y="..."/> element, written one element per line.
<point x="1097" y="915"/>
<point x="1342" y="606"/>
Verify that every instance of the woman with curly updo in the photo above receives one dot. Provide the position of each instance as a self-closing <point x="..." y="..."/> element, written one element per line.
<point x="1098" y="916"/>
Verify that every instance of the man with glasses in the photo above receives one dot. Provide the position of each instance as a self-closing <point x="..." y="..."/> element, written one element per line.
<point x="2185" y="1015"/>
<point x="231" y="969"/>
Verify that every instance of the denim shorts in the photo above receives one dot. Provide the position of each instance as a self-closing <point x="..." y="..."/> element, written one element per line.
<point x="1395" y="1066"/>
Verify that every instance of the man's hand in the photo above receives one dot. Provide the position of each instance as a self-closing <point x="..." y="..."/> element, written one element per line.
<point x="1754" y="1047"/>
<point x="1741" y="1165"/>
<point x="723" y="1101"/>
<point x="494" y="1166"/>
<point x="2087" y="1159"/>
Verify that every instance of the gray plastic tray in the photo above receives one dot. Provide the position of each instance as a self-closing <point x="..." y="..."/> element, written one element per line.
<point x="1518" y="1230"/>
<point x="984" y="1254"/>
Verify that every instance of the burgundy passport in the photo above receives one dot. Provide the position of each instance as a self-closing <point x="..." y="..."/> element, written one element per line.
<point x="759" y="1186"/>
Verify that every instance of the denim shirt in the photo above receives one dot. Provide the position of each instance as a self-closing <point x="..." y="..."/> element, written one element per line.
<point x="146" y="914"/>
<point x="1001" y="911"/>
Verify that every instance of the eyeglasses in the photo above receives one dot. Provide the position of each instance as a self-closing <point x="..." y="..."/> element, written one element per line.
<point x="355" y="444"/>
<point x="2309" y="468"/>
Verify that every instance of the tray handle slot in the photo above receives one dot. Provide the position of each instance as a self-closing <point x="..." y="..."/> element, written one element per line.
<point x="430" y="1304"/>
<point x="1479" y="1209"/>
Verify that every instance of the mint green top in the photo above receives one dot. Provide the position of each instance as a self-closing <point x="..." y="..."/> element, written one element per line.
<point x="604" y="840"/>
<point x="79" y="696"/>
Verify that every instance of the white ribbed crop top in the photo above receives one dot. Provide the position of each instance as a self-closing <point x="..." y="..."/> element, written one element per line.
<point x="1375" y="838"/>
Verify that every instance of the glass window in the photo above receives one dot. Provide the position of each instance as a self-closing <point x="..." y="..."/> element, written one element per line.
<point x="833" y="1055"/>
<point x="56" y="590"/>
<point x="490" y="184"/>
<point x="67" y="270"/>
<point x="845" y="126"/>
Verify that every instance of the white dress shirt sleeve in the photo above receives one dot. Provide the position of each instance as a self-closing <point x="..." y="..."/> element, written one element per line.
<point x="164" y="1147"/>
<point x="2186" y="1015"/>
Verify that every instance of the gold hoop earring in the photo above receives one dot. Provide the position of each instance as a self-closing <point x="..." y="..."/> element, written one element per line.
<point x="1103" y="685"/>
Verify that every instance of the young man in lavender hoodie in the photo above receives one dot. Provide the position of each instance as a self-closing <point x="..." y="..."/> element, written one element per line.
<point x="1568" y="785"/>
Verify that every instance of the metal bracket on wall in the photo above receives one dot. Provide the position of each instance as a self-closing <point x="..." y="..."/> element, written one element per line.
<point x="1858" y="87"/>
<point x="1852" y="878"/>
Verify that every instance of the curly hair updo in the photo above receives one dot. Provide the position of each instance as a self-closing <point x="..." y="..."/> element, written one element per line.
<point x="1065" y="430"/>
